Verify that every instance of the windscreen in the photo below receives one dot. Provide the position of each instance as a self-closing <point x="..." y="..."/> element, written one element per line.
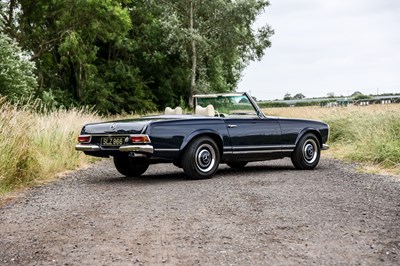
<point x="229" y="105"/>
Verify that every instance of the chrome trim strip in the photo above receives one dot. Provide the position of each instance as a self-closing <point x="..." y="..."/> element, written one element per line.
<point x="137" y="148"/>
<point x="264" y="147"/>
<point x="325" y="147"/>
<point x="257" y="108"/>
<point x="86" y="147"/>
<point x="288" y="146"/>
<point x="259" y="151"/>
<point x="166" y="149"/>
<point x="111" y="135"/>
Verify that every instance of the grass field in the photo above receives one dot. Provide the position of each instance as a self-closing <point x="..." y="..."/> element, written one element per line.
<point x="36" y="146"/>
<point x="365" y="134"/>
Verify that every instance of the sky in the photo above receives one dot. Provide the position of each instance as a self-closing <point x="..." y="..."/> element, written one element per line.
<point x="324" y="46"/>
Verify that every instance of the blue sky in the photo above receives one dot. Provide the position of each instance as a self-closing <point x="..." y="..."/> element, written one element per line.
<point x="323" y="46"/>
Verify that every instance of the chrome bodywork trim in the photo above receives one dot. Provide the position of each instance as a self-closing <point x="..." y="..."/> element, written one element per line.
<point x="166" y="149"/>
<point x="87" y="147"/>
<point x="257" y="151"/>
<point x="106" y="135"/>
<point x="325" y="147"/>
<point x="238" y="148"/>
<point x="266" y="147"/>
<point x="288" y="146"/>
<point x="137" y="148"/>
<point x="126" y="148"/>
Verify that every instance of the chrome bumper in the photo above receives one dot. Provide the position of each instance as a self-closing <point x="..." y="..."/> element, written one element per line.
<point x="129" y="148"/>
<point x="87" y="147"/>
<point x="137" y="148"/>
<point x="325" y="147"/>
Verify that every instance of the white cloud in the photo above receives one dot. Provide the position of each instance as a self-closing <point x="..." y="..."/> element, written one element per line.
<point x="328" y="46"/>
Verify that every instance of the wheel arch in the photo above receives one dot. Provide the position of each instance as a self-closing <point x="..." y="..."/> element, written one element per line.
<point x="310" y="130"/>
<point x="201" y="133"/>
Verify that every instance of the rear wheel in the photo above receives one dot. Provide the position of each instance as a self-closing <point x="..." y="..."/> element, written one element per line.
<point x="130" y="167"/>
<point x="200" y="159"/>
<point x="307" y="153"/>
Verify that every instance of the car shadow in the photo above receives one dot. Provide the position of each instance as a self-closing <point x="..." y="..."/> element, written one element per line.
<point x="256" y="169"/>
<point x="179" y="176"/>
<point x="144" y="179"/>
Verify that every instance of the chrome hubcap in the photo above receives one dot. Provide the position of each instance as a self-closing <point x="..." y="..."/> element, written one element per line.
<point x="205" y="158"/>
<point x="310" y="151"/>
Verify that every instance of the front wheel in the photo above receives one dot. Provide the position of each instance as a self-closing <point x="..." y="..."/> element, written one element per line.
<point x="200" y="159"/>
<point x="130" y="167"/>
<point x="307" y="153"/>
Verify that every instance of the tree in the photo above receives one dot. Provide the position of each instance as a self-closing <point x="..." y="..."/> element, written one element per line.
<point x="361" y="97"/>
<point x="356" y="93"/>
<point x="76" y="45"/>
<point x="330" y="95"/>
<point x="218" y="39"/>
<point x="17" y="79"/>
<point x="299" y="96"/>
<point x="287" y="96"/>
<point x="135" y="56"/>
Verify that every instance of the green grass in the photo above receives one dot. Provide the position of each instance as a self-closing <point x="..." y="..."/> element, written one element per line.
<point x="36" y="146"/>
<point x="365" y="134"/>
<point x="368" y="138"/>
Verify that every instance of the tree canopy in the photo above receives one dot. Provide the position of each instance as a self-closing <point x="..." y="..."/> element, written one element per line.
<point x="17" y="79"/>
<point x="135" y="55"/>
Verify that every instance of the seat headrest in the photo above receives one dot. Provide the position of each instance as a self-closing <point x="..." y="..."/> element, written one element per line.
<point x="205" y="111"/>
<point x="177" y="111"/>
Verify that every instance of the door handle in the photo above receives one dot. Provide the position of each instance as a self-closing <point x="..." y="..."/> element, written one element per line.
<point x="232" y="126"/>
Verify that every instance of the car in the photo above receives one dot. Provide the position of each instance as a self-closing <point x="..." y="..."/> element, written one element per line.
<point x="226" y="128"/>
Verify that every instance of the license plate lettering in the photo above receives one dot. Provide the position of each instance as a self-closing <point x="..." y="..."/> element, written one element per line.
<point x="112" y="141"/>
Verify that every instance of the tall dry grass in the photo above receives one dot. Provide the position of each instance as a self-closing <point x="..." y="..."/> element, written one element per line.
<point x="367" y="134"/>
<point x="35" y="146"/>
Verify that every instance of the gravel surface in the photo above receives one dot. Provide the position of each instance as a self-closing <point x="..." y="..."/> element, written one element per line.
<point x="267" y="213"/>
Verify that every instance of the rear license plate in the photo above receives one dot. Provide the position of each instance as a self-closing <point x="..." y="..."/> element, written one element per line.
<point x="111" y="141"/>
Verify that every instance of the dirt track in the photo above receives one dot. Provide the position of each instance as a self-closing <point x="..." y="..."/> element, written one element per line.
<point x="268" y="213"/>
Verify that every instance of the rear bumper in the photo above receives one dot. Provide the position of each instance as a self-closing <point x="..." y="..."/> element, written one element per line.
<point x="325" y="147"/>
<point x="147" y="149"/>
<point x="137" y="148"/>
<point x="87" y="147"/>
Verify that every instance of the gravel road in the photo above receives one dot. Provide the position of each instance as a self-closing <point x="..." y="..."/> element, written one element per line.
<point x="266" y="214"/>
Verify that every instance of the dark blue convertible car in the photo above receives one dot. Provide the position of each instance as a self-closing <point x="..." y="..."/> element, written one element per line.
<point x="225" y="128"/>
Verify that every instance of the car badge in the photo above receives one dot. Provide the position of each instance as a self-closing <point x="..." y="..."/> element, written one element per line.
<point x="113" y="126"/>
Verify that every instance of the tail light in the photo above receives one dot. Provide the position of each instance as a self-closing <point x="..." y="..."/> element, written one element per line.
<point x="84" y="138"/>
<point x="140" y="139"/>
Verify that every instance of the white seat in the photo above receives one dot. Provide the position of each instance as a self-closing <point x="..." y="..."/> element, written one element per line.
<point x="205" y="111"/>
<point x="177" y="111"/>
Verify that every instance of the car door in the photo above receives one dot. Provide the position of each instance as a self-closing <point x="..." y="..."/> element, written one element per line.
<point x="254" y="135"/>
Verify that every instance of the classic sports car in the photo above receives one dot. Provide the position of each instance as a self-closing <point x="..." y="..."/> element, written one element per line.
<point x="226" y="128"/>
